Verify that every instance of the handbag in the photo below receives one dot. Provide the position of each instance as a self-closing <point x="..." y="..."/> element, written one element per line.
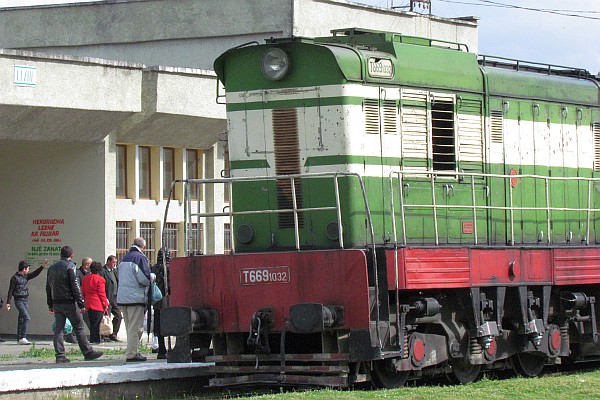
<point x="106" y="325"/>
<point x="155" y="293"/>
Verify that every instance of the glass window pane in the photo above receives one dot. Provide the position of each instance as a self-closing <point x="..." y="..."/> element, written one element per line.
<point x="144" y="159"/>
<point x="121" y="171"/>
<point x="192" y="159"/>
<point x="168" y="170"/>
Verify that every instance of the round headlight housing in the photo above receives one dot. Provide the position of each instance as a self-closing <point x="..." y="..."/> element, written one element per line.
<point x="275" y="64"/>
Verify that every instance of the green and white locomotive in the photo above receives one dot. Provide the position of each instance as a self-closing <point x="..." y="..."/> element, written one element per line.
<point x="400" y="208"/>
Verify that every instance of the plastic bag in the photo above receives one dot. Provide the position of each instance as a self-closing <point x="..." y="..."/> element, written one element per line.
<point x="155" y="294"/>
<point x="68" y="329"/>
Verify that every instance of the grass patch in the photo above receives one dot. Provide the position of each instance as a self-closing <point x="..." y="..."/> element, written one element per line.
<point x="41" y="352"/>
<point x="578" y="386"/>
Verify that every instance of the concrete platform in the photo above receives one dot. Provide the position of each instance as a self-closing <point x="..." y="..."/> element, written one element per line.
<point x="22" y="373"/>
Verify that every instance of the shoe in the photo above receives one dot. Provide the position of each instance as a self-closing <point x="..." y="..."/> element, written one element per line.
<point x="161" y="356"/>
<point x="93" y="355"/>
<point x="113" y="338"/>
<point x="24" y="341"/>
<point x="136" y="358"/>
<point x="62" y="360"/>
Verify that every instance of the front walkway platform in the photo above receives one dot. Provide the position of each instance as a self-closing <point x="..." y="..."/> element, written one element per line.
<point x="22" y="375"/>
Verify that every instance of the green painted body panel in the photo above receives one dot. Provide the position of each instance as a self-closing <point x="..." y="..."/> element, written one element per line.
<point x="239" y="69"/>
<point x="529" y="85"/>
<point x="551" y="102"/>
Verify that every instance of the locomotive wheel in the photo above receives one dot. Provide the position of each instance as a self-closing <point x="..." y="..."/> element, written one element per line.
<point x="385" y="376"/>
<point x="463" y="371"/>
<point x="527" y="364"/>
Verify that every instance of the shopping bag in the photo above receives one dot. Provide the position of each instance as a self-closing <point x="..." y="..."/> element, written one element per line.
<point x="156" y="295"/>
<point x="106" y="325"/>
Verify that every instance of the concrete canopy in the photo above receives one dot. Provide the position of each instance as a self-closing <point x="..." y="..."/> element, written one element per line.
<point x="75" y="99"/>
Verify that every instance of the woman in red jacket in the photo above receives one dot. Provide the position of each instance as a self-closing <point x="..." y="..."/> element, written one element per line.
<point x="96" y="303"/>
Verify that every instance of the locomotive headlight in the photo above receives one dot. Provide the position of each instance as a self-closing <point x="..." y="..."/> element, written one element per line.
<point x="275" y="64"/>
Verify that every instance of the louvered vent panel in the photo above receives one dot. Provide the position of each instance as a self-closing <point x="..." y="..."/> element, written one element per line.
<point x="390" y="117"/>
<point x="596" y="134"/>
<point x="287" y="162"/>
<point x="414" y="122"/>
<point x="371" y="111"/>
<point x="470" y="135"/>
<point x="497" y="126"/>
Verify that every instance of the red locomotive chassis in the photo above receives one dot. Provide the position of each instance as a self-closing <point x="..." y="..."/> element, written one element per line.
<point x="238" y="285"/>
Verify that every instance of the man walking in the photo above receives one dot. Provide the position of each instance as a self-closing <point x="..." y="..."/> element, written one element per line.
<point x="64" y="298"/>
<point x="19" y="290"/>
<point x="111" y="275"/>
<point x="132" y="295"/>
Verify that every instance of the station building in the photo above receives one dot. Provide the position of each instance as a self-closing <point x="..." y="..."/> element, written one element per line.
<point x="104" y="104"/>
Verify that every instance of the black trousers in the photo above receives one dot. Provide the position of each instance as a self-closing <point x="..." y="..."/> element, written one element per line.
<point x="61" y="313"/>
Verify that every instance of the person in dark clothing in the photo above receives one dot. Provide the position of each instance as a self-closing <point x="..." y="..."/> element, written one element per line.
<point x="111" y="275"/>
<point x="82" y="272"/>
<point x="162" y="263"/>
<point x="65" y="300"/>
<point x="18" y="290"/>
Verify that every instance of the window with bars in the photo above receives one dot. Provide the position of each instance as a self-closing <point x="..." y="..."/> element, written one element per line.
<point x="121" y="171"/>
<point x="168" y="170"/>
<point x="227" y="238"/>
<point x="196" y="239"/>
<point x="171" y="238"/>
<point x="148" y="232"/>
<point x="442" y="135"/>
<point x="124" y="239"/>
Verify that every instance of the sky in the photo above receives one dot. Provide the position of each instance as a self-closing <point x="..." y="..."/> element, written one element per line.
<point x="567" y="33"/>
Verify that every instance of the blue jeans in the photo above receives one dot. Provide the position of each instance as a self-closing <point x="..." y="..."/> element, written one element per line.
<point x="24" y="318"/>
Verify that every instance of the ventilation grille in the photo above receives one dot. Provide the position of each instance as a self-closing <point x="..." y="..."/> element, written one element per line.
<point x="596" y="134"/>
<point x="287" y="162"/>
<point x="497" y="126"/>
<point x="390" y="117"/>
<point x="371" y="111"/>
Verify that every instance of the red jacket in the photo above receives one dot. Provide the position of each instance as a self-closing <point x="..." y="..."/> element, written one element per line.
<point x="94" y="293"/>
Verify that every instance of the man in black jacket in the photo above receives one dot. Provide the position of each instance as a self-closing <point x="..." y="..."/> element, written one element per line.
<point x="19" y="290"/>
<point x="65" y="300"/>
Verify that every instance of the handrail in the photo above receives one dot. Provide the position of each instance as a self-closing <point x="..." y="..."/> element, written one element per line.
<point x="429" y="176"/>
<point x="188" y="214"/>
<point x="295" y="210"/>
